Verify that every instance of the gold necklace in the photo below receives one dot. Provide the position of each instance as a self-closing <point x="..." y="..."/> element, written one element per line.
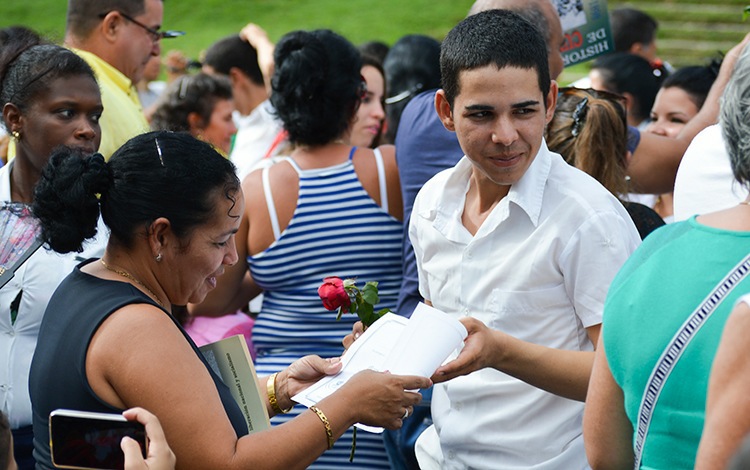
<point x="126" y="274"/>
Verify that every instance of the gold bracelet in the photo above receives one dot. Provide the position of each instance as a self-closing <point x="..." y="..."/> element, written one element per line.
<point x="326" y="423"/>
<point x="271" y="390"/>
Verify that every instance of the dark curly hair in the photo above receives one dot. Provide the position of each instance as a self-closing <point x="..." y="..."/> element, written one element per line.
<point x="317" y="86"/>
<point x="189" y="94"/>
<point x="158" y="174"/>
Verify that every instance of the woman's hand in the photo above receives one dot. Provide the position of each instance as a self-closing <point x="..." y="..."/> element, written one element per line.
<point x="160" y="456"/>
<point x="301" y="374"/>
<point x="382" y="399"/>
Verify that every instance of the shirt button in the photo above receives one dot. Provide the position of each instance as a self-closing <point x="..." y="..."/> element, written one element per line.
<point x="458" y="406"/>
<point x="451" y="455"/>
<point x="466" y="312"/>
<point x="10" y="333"/>
<point x="3" y="388"/>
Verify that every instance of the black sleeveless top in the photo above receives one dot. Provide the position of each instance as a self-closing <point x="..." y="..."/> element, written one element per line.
<point x="58" y="374"/>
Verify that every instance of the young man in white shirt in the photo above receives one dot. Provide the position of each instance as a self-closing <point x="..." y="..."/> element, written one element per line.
<point x="520" y="246"/>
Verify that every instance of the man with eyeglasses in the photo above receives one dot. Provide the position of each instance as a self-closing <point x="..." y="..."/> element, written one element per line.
<point x="117" y="38"/>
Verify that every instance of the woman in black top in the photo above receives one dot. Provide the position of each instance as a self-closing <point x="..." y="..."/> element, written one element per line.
<point x="172" y="205"/>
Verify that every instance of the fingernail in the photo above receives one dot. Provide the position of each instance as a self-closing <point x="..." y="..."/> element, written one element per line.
<point x="357" y="335"/>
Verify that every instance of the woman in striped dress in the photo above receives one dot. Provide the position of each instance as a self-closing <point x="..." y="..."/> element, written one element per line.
<point x="328" y="209"/>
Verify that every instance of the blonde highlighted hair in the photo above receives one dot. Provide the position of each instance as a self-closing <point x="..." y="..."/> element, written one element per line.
<point x="589" y="129"/>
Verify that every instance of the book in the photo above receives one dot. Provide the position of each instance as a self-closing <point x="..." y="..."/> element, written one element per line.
<point x="406" y="346"/>
<point x="230" y="359"/>
<point x="586" y="30"/>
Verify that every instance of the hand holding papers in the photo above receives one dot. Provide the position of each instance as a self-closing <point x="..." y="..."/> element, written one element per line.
<point x="415" y="346"/>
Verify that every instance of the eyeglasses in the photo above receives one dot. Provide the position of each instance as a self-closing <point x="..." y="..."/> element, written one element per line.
<point x="156" y="35"/>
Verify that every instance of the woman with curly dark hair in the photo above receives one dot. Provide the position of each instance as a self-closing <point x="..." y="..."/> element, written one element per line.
<point x="328" y="209"/>
<point x="109" y="341"/>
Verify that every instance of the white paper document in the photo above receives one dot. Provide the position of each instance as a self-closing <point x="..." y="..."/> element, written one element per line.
<point x="413" y="346"/>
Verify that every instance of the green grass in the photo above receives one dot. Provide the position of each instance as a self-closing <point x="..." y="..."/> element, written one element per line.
<point x="208" y="20"/>
<point x="712" y="24"/>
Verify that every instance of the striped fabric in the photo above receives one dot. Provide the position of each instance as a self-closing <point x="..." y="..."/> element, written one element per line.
<point x="336" y="230"/>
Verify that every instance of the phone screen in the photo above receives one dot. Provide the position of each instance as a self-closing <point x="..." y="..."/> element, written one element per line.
<point x="91" y="440"/>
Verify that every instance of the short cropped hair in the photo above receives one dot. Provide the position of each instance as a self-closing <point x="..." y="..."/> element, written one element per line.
<point x="234" y="52"/>
<point x="84" y="15"/>
<point x="494" y="37"/>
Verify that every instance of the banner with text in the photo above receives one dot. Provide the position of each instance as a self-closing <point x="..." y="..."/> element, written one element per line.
<point x="586" y="29"/>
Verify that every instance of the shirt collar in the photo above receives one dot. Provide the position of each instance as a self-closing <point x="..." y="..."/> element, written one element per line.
<point x="528" y="192"/>
<point x="104" y="68"/>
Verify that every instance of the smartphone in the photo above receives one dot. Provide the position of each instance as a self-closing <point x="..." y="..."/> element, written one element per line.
<point x="89" y="440"/>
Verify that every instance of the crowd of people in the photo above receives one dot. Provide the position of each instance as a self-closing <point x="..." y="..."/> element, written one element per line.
<point x="594" y="241"/>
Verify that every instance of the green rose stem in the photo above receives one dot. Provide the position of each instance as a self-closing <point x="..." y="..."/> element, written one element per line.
<point x="362" y="302"/>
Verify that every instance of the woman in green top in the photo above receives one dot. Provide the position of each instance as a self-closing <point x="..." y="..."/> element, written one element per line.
<point x="660" y="287"/>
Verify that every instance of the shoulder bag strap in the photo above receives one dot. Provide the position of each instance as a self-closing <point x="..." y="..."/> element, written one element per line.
<point x="676" y="347"/>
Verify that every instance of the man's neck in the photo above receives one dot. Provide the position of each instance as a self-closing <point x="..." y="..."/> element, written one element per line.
<point x="255" y="95"/>
<point x="481" y="198"/>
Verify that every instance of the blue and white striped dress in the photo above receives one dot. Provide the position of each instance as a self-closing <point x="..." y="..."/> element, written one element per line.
<point x="336" y="230"/>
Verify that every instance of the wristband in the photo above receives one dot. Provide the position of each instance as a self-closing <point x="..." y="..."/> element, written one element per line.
<point x="271" y="390"/>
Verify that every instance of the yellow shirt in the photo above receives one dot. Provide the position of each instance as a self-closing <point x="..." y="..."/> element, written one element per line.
<point x="123" y="116"/>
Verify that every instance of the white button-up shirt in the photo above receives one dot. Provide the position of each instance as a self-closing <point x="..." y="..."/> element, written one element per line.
<point x="537" y="269"/>
<point x="34" y="282"/>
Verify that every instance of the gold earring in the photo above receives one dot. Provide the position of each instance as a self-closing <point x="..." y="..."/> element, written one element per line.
<point x="16" y="135"/>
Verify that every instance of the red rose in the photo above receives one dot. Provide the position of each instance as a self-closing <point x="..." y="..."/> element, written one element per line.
<point x="333" y="294"/>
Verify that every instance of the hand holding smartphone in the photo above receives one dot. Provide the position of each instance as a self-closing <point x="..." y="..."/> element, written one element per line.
<point x="89" y="440"/>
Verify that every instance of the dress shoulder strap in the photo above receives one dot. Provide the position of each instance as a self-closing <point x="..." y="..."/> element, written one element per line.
<point x="351" y="152"/>
<point x="291" y="161"/>
<point x="269" y="201"/>
<point x="381" y="180"/>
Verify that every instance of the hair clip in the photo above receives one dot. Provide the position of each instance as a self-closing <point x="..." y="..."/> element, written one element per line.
<point x="183" y="87"/>
<point x="158" y="150"/>
<point x="578" y="116"/>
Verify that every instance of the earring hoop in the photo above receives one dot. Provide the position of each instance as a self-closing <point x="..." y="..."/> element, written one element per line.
<point x="158" y="258"/>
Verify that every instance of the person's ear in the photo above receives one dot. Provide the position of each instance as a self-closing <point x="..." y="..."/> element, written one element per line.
<point x="237" y="77"/>
<point x="443" y="108"/>
<point x="13" y="118"/>
<point x="551" y="101"/>
<point x="160" y="237"/>
<point x="111" y="25"/>
<point x="195" y="123"/>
